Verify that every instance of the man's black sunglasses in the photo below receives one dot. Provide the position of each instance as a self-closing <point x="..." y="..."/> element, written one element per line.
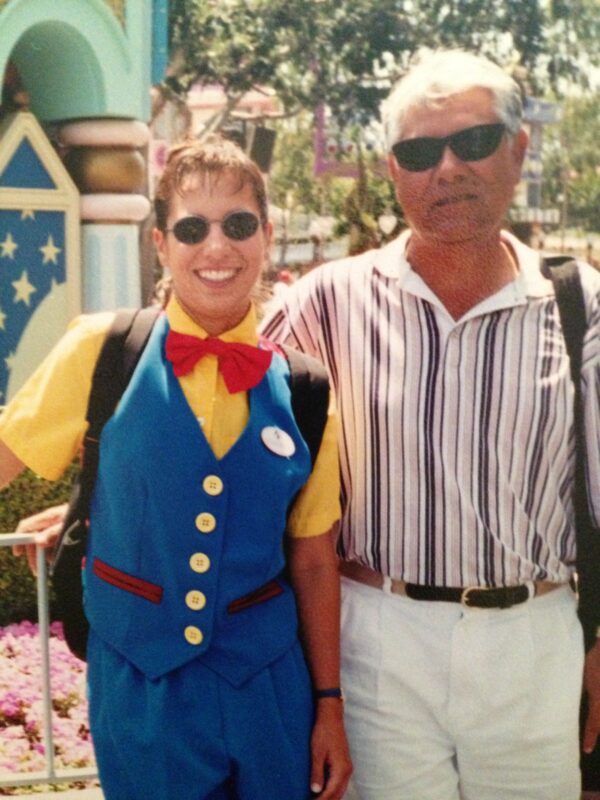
<point x="470" y="144"/>
<point x="239" y="225"/>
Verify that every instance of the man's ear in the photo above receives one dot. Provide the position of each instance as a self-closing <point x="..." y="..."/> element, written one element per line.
<point x="394" y="171"/>
<point x="520" y="143"/>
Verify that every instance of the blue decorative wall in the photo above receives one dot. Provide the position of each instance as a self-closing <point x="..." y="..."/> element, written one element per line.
<point x="39" y="250"/>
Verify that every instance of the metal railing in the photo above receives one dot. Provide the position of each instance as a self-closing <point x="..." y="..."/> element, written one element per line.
<point x="50" y="775"/>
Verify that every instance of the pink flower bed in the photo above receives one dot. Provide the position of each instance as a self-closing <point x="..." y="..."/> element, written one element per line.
<point x="21" y="716"/>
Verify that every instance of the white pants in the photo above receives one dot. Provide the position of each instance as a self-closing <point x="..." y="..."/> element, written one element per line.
<point x="445" y="702"/>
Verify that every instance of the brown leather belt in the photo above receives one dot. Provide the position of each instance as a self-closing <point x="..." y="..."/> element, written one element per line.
<point x="472" y="596"/>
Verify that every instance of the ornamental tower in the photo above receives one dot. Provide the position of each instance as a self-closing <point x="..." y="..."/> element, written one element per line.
<point x="74" y="112"/>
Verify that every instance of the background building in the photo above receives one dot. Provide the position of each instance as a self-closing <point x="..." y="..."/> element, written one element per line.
<point x="75" y="106"/>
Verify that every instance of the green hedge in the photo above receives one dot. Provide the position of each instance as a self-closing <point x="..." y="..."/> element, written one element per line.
<point x="26" y="495"/>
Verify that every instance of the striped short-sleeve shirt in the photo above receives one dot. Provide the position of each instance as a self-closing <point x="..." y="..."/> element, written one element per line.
<point x="457" y="443"/>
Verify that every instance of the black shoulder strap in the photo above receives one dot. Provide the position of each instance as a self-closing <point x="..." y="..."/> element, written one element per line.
<point x="118" y="357"/>
<point x="564" y="273"/>
<point x="120" y="352"/>
<point x="310" y="397"/>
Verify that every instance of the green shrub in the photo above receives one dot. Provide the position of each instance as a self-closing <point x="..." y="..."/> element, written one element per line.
<point x="26" y="495"/>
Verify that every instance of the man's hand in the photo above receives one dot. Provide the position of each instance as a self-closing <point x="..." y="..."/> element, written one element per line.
<point x="331" y="765"/>
<point x="591" y="684"/>
<point x="47" y="525"/>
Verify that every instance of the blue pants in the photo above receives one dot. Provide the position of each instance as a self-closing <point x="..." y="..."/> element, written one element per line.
<point x="190" y="735"/>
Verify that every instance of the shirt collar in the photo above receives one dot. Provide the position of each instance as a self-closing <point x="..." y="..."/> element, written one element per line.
<point x="391" y="262"/>
<point x="390" y="259"/>
<point x="529" y="282"/>
<point x="180" y="321"/>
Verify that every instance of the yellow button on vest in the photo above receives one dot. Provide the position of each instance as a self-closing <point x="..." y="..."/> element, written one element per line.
<point x="206" y="522"/>
<point x="195" y="600"/>
<point x="212" y="485"/>
<point x="193" y="635"/>
<point x="200" y="562"/>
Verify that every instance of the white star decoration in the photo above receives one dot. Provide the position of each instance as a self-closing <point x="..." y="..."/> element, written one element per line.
<point x="28" y="213"/>
<point x="50" y="251"/>
<point x="2" y="320"/>
<point x="8" y="247"/>
<point x="10" y="361"/>
<point x="23" y="289"/>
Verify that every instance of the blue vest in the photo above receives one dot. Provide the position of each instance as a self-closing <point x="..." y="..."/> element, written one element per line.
<point x="177" y="535"/>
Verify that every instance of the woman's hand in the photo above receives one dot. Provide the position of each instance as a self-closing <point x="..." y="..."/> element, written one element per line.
<point x="315" y="578"/>
<point x="47" y="525"/>
<point x="331" y="766"/>
<point x="591" y="684"/>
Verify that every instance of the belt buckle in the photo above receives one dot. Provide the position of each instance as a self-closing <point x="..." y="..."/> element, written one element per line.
<point x="464" y="598"/>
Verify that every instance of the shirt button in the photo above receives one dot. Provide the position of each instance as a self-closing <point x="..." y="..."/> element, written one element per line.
<point x="200" y="562"/>
<point x="195" y="600"/>
<point x="206" y="522"/>
<point x="193" y="635"/>
<point x="212" y="485"/>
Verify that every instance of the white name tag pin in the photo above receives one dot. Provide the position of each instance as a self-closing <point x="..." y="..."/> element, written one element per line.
<point x="278" y="441"/>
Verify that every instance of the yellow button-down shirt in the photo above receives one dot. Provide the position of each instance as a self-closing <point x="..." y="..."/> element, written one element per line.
<point x="45" y="423"/>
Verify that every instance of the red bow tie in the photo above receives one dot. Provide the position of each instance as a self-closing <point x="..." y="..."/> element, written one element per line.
<point x="241" y="365"/>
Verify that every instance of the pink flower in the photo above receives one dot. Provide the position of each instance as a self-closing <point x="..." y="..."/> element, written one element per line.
<point x="21" y="707"/>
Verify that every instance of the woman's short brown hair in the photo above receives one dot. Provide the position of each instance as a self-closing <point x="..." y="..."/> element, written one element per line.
<point x="210" y="157"/>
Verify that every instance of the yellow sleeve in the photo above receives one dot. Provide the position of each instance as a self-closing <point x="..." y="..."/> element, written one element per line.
<point x="317" y="507"/>
<point x="44" y="423"/>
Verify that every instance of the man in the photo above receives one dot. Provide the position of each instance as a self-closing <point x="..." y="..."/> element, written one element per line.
<point x="447" y="355"/>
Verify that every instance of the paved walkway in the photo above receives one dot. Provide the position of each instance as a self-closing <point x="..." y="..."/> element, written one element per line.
<point x="96" y="794"/>
<point x="71" y="794"/>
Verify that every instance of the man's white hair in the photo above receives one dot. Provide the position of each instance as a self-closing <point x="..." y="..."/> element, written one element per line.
<point x="443" y="73"/>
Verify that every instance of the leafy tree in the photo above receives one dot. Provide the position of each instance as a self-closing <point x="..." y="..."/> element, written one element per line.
<point x="306" y="50"/>
<point x="291" y="183"/>
<point x="572" y="162"/>
<point x="356" y="204"/>
<point x="572" y="42"/>
<point x="346" y="52"/>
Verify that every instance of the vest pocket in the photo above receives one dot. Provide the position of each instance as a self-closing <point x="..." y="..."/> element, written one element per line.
<point x="261" y="595"/>
<point x="129" y="583"/>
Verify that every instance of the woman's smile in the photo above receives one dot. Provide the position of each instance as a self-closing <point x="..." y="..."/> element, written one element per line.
<point x="216" y="276"/>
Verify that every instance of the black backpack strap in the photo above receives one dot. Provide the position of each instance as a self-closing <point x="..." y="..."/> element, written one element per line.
<point x="564" y="273"/>
<point x="120" y="352"/>
<point x="310" y="397"/>
<point x="118" y="357"/>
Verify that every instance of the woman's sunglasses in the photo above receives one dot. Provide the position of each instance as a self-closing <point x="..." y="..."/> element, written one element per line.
<point x="239" y="225"/>
<point x="470" y="144"/>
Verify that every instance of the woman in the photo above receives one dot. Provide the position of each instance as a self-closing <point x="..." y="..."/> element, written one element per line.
<point x="197" y="690"/>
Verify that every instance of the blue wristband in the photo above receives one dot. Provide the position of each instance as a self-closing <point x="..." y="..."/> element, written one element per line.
<point x="335" y="692"/>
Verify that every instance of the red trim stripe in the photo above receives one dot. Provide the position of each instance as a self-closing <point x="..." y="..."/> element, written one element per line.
<point x="260" y="595"/>
<point x="129" y="583"/>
